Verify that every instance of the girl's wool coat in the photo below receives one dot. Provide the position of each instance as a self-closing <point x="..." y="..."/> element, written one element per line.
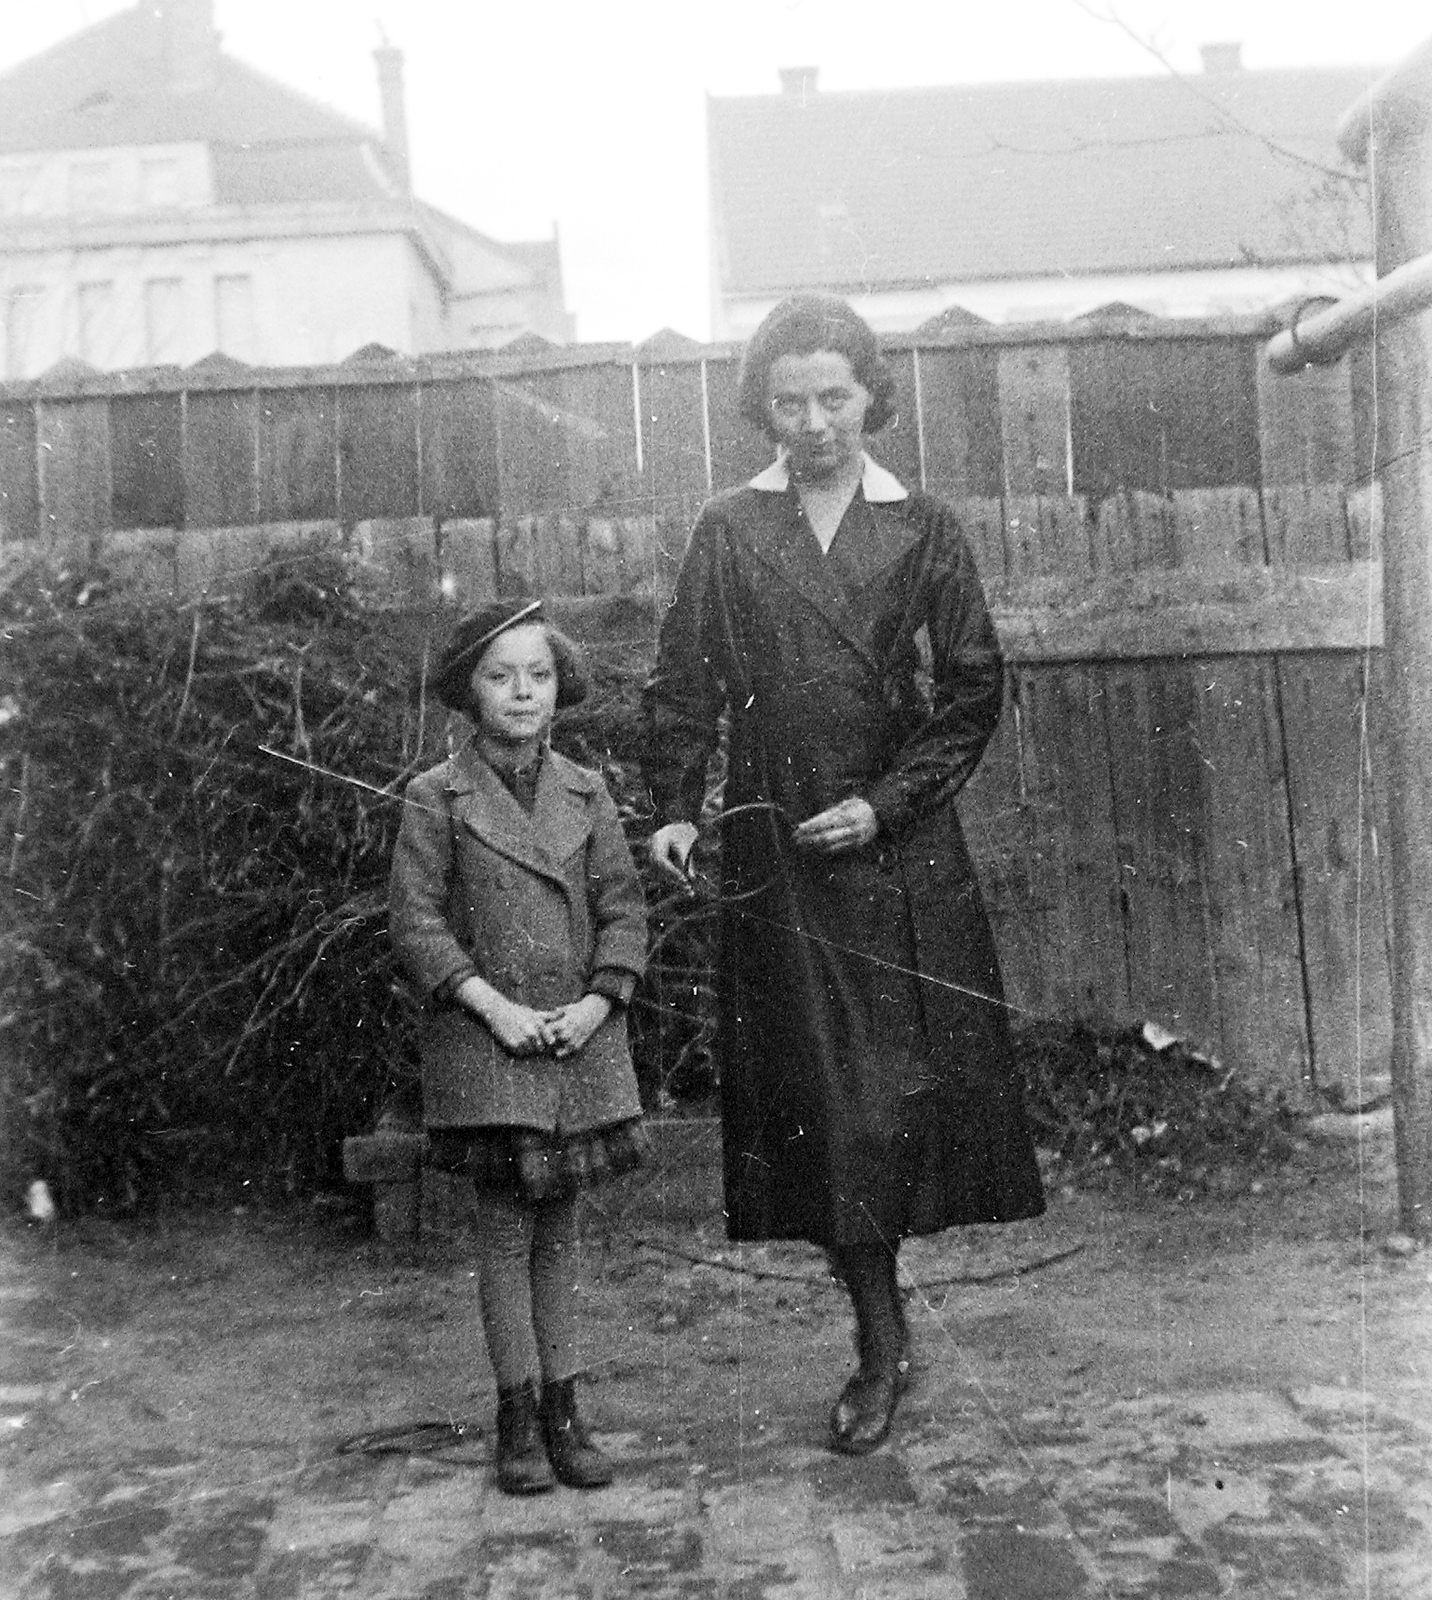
<point x="536" y="904"/>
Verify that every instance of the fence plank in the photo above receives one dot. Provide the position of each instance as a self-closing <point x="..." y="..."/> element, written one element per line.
<point x="1065" y="781"/>
<point x="601" y="557"/>
<point x="996" y="824"/>
<point x="1305" y="424"/>
<point x="639" y="561"/>
<point x="457" y="429"/>
<point x="739" y="449"/>
<point x="1034" y="419"/>
<point x="1217" y="529"/>
<point x="73" y="452"/>
<point x="1161" y="813"/>
<point x="897" y="445"/>
<point x="960" y="404"/>
<point x="567" y="440"/>
<point x="1046" y="534"/>
<point x="1252" y="895"/>
<point x="1307" y="524"/>
<point x="602" y="467"/>
<point x="19" y="474"/>
<point x="1340" y="895"/>
<point x="1066" y="770"/>
<point x="1134" y="531"/>
<point x="377" y="452"/>
<point x="1163" y="414"/>
<point x="468" y="557"/>
<point x="530" y="449"/>
<point x="221" y="468"/>
<point x="298" y="455"/>
<point x="226" y="561"/>
<point x="1173" y="612"/>
<point x="398" y="560"/>
<point x="982" y="522"/>
<point x="675" y="481"/>
<point x="146" y="461"/>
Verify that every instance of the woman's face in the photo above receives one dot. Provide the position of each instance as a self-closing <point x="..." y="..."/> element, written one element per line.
<point x="817" y="412"/>
<point x="514" y="686"/>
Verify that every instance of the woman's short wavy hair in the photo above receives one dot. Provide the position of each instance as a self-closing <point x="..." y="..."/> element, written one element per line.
<point x="799" y="326"/>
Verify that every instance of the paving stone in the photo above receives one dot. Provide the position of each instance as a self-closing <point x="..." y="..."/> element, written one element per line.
<point x="1243" y="1417"/>
<point x="1277" y="1563"/>
<point x="1007" y="1564"/>
<point x="1216" y="1494"/>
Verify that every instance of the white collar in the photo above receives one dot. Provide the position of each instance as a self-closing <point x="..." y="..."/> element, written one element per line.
<point x="878" y="486"/>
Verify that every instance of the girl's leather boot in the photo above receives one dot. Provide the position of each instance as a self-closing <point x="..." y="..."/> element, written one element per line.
<point x="522" y="1465"/>
<point x="575" y="1459"/>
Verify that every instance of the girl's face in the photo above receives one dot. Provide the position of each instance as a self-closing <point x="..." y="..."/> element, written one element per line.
<point x="817" y="411"/>
<point x="514" y="686"/>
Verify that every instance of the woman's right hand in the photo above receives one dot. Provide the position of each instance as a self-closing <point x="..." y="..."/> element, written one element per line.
<point x="671" y="849"/>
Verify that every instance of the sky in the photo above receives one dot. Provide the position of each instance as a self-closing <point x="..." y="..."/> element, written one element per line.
<point x="589" y="115"/>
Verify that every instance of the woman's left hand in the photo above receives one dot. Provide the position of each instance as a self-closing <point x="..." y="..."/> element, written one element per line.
<point x="569" y="1027"/>
<point x="846" y="826"/>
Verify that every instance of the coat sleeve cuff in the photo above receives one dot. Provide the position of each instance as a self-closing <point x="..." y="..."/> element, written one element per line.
<point x="891" y="806"/>
<point x="616" y="985"/>
<point x="446" y="992"/>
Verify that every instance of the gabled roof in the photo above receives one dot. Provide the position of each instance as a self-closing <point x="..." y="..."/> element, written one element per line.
<point x="111" y="85"/>
<point x="107" y="86"/>
<point x="482" y="265"/>
<point x="870" y="189"/>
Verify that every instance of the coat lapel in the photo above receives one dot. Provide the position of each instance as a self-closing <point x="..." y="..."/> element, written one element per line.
<point x="787" y="547"/>
<point x="540" y="842"/>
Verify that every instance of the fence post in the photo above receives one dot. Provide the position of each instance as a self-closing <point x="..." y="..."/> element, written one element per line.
<point x="1390" y="130"/>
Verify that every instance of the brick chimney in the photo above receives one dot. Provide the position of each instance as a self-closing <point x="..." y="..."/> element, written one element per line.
<point x="799" y="82"/>
<point x="1221" y="59"/>
<point x="191" y="45"/>
<point x="395" y="114"/>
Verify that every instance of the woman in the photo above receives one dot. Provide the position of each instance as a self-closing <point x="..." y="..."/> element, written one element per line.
<point x="868" y="1088"/>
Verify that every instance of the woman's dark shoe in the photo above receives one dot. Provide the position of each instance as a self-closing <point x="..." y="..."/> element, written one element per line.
<point x="861" y="1418"/>
<point x="575" y="1459"/>
<point x="522" y="1465"/>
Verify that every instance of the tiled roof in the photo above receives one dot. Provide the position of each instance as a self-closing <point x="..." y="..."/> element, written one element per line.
<point x="106" y="86"/>
<point x="269" y="174"/>
<point x="882" y="188"/>
<point x="269" y="144"/>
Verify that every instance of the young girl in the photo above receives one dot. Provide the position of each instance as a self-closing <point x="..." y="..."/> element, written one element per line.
<point x="515" y="904"/>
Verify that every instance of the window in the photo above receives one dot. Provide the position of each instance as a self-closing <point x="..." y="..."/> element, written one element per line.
<point x="164" y="321"/>
<point x="22" y="315"/>
<point x="19" y="190"/>
<point x="159" y="183"/>
<point x="90" y="188"/>
<point x="95" y="324"/>
<point x="234" y="315"/>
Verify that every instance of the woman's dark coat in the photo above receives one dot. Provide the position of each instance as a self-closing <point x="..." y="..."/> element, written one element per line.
<point x="536" y="904"/>
<point x="867" y="1082"/>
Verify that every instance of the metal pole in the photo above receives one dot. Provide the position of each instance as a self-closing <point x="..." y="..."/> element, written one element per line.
<point x="1324" y="335"/>
<point x="1392" y="131"/>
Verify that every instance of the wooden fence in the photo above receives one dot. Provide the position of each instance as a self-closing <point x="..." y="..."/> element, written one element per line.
<point x="1178" y="818"/>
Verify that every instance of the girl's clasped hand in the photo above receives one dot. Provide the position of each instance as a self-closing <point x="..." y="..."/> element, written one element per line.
<point x="561" y="1032"/>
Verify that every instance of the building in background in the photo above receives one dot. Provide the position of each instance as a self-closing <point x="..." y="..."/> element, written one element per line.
<point x="1179" y="196"/>
<point x="160" y="200"/>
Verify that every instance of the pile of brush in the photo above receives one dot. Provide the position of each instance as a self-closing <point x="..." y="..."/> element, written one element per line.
<point x="1135" y="1104"/>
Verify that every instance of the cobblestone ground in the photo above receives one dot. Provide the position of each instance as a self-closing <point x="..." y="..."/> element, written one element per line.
<point x="1228" y="1399"/>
